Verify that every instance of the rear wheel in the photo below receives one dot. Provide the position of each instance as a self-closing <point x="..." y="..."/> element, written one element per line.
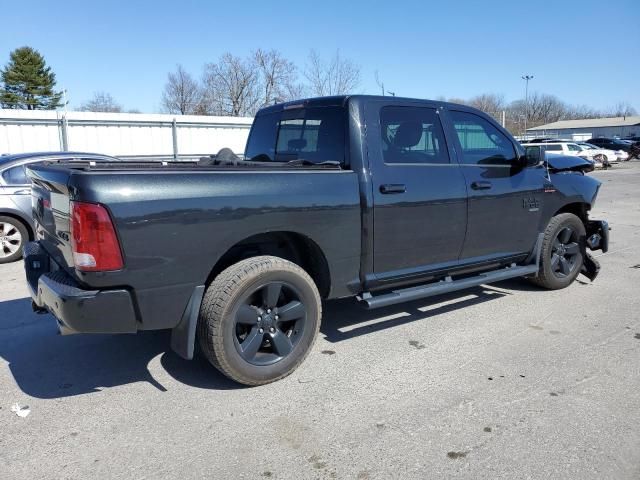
<point x="562" y="252"/>
<point x="603" y="159"/>
<point x="13" y="236"/>
<point x="259" y="319"/>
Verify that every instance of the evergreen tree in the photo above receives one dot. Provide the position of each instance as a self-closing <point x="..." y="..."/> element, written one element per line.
<point x="28" y="82"/>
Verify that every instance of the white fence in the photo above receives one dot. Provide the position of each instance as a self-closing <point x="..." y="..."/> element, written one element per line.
<point x="121" y="134"/>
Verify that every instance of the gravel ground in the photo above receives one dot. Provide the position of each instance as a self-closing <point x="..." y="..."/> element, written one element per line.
<point x="501" y="381"/>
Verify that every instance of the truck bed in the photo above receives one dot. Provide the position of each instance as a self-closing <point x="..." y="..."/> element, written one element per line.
<point x="175" y="221"/>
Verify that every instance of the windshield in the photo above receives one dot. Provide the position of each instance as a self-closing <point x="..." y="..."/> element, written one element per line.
<point x="315" y="134"/>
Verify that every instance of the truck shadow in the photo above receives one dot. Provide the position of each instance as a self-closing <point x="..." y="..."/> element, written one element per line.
<point x="47" y="365"/>
<point x="346" y="319"/>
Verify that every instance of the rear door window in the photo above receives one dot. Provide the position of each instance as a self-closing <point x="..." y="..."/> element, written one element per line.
<point x="313" y="134"/>
<point x="412" y="135"/>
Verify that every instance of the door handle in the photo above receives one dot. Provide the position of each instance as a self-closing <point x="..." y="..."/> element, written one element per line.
<point x="481" y="185"/>
<point x="393" y="188"/>
<point x="24" y="191"/>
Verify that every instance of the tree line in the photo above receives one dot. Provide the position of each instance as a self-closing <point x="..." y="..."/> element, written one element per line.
<point x="236" y="86"/>
<point x="539" y="109"/>
<point x="240" y="86"/>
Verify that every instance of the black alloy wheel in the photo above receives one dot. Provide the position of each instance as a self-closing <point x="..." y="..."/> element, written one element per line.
<point x="565" y="252"/>
<point x="269" y="322"/>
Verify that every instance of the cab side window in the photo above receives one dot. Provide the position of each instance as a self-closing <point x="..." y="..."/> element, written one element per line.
<point x="481" y="142"/>
<point x="412" y="135"/>
<point x="573" y="148"/>
<point x="15" y="176"/>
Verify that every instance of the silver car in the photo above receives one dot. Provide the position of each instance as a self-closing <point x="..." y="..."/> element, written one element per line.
<point x="16" y="225"/>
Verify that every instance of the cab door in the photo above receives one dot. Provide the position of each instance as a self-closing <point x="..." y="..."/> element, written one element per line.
<point x="505" y="200"/>
<point x="419" y="192"/>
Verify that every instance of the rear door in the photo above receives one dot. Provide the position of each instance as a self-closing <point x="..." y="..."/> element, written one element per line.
<point x="419" y="192"/>
<point x="505" y="201"/>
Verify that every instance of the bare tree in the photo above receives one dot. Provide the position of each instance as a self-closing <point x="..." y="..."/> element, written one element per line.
<point x="579" y="112"/>
<point x="622" y="109"/>
<point x="231" y="87"/>
<point x="334" y="77"/>
<point x="541" y="109"/>
<point x="278" y="77"/>
<point x="491" y="103"/>
<point x="181" y="92"/>
<point x="101" y="102"/>
<point x="459" y="101"/>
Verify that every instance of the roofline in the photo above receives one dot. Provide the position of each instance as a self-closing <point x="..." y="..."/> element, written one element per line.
<point x="602" y="123"/>
<point x="342" y="100"/>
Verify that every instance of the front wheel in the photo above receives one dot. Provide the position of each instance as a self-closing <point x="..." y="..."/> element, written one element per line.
<point x="562" y="252"/>
<point x="259" y="319"/>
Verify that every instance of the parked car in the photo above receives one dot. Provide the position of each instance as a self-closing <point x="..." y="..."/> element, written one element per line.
<point x="382" y="198"/>
<point x="16" y="226"/>
<point x="602" y="154"/>
<point x="585" y="150"/>
<point x="615" y="144"/>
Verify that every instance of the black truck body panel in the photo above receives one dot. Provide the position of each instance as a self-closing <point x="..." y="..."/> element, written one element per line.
<point x="377" y="225"/>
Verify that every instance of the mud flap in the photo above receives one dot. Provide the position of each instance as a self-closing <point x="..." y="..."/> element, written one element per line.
<point x="590" y="267"/>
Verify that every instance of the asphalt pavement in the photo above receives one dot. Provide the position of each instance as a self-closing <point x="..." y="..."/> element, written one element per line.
<point x="503" y="381"/>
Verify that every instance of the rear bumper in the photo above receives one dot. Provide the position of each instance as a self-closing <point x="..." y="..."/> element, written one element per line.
<point x="77" y="310"/>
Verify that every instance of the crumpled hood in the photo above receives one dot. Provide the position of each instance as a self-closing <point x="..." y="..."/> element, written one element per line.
<point x="563" y="163"/>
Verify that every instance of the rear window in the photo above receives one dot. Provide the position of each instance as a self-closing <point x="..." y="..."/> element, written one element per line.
<point x="15" y="176"/>
<point x="314" y="134"/>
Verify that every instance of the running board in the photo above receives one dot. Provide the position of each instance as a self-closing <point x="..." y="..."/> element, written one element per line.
<point x="445" y="286"/>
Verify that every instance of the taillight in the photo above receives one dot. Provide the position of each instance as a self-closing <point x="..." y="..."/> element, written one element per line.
<point x="93" y="239"/>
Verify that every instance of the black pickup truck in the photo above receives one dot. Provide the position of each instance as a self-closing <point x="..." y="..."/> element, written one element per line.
<point x="385" y="199"/>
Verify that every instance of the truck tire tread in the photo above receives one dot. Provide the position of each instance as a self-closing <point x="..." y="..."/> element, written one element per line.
<point x="216" y="300"/>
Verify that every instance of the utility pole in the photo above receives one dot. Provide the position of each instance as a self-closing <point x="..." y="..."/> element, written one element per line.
<point x="526" y="78"/>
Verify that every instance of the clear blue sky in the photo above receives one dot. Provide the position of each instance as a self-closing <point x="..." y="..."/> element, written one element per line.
<point x="585" y="52"/>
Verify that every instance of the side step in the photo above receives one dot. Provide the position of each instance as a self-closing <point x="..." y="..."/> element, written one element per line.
<point x="447" y="285"/>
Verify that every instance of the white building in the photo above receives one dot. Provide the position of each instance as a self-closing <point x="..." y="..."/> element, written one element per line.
<point x="620" y="127"/>
<point x="121" y="134"/>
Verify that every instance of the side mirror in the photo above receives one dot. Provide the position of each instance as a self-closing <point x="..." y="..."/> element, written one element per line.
<point x="532" y="157"/>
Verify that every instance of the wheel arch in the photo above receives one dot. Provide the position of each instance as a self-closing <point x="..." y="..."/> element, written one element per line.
<point x="292" y="246"/>
<point x="579" y="209"/>
<point x="22" y="219"/>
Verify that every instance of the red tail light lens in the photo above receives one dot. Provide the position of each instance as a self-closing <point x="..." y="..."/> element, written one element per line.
<point x="93" y="239"/>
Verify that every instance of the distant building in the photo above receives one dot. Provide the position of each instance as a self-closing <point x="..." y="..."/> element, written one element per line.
<point x="621" y="127"/>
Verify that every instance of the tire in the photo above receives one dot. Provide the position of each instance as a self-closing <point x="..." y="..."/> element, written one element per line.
<point x="562" y="254"/>
<point x="13" y="236"/>
<point x="268" y="302"/>
<point x="602" y="158"/>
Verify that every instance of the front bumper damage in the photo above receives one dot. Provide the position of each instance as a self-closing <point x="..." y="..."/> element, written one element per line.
<point x="597" y="239"/>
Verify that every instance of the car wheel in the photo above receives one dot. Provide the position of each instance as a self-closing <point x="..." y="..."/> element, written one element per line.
<point x="562" y="253"/>
<point x="259" y="319"/>
<point x="602" y="158"/>
<point x="13" y="235"/>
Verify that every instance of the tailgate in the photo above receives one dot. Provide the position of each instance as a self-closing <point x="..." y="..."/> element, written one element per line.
<point x="50" y="204"/>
